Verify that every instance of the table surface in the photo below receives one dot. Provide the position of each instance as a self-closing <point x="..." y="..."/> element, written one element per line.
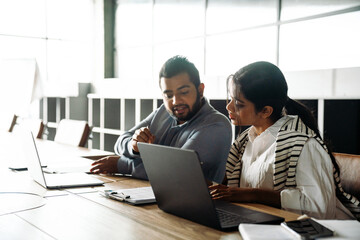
<point x="82" y="213"/>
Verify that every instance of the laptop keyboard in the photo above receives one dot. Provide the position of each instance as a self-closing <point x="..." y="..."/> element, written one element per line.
<point x="228" y="218"/>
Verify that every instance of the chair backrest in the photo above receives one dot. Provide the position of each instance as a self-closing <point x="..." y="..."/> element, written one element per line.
<point x="35" y="125"/>
<point x="349" y="172"/>
<point x="72" y="132"/>
<point x="13" y="122"/>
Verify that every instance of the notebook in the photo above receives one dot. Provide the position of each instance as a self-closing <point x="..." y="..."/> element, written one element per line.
<point x="53" y="181"/>
<point x="249" y="231"/>
<point x="343" y="229"/>
<point x="180" y="188"/>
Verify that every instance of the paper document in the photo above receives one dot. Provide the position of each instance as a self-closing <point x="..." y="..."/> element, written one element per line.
<point x="134" y="196"/>
<point x="343" y="229"/>
<point x="250" y="231"/>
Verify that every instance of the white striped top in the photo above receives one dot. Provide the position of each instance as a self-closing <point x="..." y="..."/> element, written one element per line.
<point x="290" y="141"/>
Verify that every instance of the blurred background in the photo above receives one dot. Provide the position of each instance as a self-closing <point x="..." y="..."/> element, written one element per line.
<point x="98" y="60"/>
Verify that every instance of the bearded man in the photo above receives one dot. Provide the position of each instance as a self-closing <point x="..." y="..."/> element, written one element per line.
<point x="184" y="120"/>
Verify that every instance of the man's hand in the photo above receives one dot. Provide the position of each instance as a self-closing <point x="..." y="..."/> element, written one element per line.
<point x="105" y="165"/>
<point x="141" y="135"/>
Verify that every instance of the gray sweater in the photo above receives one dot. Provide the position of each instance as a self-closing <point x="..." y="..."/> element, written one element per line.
<point x="208" y="133"/>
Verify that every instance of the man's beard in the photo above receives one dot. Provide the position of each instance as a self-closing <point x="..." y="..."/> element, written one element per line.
<point x="196" y="107"/>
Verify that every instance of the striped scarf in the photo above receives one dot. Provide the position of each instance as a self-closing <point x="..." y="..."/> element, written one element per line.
<point x="291" y="139"/>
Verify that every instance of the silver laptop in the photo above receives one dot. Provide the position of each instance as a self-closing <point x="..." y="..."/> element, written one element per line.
<point x="16" y="159"/>
<point x="53" y="181"/>
<point x="58" y="164"/>
<point x="180" y="188"/>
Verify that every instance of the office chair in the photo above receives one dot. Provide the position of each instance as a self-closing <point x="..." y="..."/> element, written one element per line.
<point x="72" y="132"/>
<point x="35" y="125"/>
<point x="349" y="165"/>
<point x="13" y="122"/>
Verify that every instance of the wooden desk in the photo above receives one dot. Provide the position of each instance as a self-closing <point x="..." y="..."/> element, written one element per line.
<point x="152" y="216"/>
<point x="52" y="148"/>
<point x="82" y="213"/>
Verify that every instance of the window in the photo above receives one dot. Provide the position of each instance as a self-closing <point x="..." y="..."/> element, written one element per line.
<point x="217" y="36"/>
<point x="57" y="34"/>
<point x="323" y="43"/>
<point x="220" y="36"/>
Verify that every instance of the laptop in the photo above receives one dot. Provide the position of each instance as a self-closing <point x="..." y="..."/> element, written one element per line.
<point x="16" y="159"/>
<point x="53" y="181"/>
<point x="180" y="188"/>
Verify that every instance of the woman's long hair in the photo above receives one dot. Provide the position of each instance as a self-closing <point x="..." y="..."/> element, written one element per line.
<point x="264" y="84"/>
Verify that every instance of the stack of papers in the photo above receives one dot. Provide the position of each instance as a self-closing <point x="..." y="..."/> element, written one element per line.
<point x="251" y="231"/>
<point x="134" y="196"/>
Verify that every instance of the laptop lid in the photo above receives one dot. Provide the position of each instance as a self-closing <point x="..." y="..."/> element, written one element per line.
<point x="16" y="159"/>
<point x="64" y="180"/>
<point x="180" y="188"/>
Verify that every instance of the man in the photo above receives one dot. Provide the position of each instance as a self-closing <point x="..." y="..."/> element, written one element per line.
<point x="184" y="120"/>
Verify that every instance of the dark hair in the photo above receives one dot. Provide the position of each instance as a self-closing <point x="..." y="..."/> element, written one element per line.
<point x="264" y="84"/>
<point x="179" y="64"/>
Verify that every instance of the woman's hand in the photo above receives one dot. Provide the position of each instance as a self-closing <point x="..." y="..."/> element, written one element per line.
<point x="224" y="192"/>
<point x="253" y="195"/>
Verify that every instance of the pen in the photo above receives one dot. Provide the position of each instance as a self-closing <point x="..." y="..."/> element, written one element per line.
<point x="119" y="196"/>
<point x="124" y="196"/>
<point x="46" y="170"/>
<point x="115" y="195"/>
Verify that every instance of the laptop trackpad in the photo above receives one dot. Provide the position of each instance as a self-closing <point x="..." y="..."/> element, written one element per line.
<point x="248" y="215"/>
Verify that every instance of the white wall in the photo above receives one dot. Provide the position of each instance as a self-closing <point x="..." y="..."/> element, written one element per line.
<point x="343" y="83"/>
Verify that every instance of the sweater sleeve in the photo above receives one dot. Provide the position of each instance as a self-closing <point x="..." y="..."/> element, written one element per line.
<point x="315" y="191"/>
<point x="123" y="143"/>
<point x="129" y="161"/>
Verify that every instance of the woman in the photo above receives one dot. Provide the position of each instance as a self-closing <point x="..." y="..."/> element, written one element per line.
<point x="280" y="160"/>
